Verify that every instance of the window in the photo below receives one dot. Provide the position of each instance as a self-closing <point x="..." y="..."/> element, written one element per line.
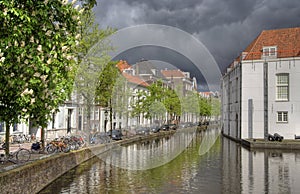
<point x="270" y="51"/>
<point x="282" y="117"/>
<point x="15" y="127"/>
<point x="1" y="127"/>
<point x="96" y="113"/>
<point x="282" y="87"/>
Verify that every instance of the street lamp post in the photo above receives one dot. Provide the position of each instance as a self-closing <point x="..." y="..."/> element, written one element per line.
<point x="105" y="120"/>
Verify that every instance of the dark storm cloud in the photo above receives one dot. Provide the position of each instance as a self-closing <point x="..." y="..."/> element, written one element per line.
<point x="194" y="15"/>
<point x="226" y="27"/>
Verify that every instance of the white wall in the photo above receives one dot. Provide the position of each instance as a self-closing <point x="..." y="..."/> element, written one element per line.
<point x="292" y="106"/>
<point x="252" y="88"/>
<point x="231" y="103"/>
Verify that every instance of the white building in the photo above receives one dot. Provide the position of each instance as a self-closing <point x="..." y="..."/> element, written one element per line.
<point x="260" y="92"/>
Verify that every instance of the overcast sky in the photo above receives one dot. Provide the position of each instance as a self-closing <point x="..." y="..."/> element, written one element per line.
<point x="225" y="27"/>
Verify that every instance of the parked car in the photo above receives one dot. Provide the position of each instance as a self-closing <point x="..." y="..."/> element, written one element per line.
<point x="100" y="137"/>
<point x="116" y="134"/>
<point x="143" y="131"/>
<point x="155" y="129"/>
<point x="165" y="127"/>
<point x="173" y="126"/>
<point x="182" y="125"/>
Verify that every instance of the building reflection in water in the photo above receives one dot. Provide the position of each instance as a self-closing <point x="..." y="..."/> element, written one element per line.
<point x="149" y="154"/>
<point x="259" y="171"/>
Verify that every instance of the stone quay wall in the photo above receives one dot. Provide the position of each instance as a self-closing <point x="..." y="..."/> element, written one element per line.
<point x="33" y="177"/>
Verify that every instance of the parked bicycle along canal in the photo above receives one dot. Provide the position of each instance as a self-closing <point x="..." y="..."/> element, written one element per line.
<point x="225" y="168"/>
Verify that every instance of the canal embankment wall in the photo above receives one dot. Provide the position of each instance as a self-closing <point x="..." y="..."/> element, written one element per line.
<point x="33" y="177"/>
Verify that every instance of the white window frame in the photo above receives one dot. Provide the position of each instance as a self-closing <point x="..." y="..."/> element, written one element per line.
<point x="270" y="51"/>
<point x="282" y="116"/>
<point x="280" y="86"/>
<point x="96" y="113"/>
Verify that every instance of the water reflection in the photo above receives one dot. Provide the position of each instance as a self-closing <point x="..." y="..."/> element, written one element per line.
<point x="259" y="171"/>
<point x="150" y="153"/>
<point x="225" y="168"/>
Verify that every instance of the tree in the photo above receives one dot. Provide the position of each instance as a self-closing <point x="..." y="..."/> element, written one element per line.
<point x="205" y="108"/>
<point x="105" y="87"/>
<point x="37" y="69"/>
<point x="121" y="95"/>
<point x="90" y="65"/>
<point x="138" y="104"/>
<point x="172" y="104"/>
<point x="156" y="102"/>
<point x="215" y="107"/>
<point x="149" y="103"/>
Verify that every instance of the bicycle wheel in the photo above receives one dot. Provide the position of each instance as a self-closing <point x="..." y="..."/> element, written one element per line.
<point x="73" y="146"/>
<point x="50" y="149"/>
<point x="23" y="155"/>
<point x="65" y="148"/>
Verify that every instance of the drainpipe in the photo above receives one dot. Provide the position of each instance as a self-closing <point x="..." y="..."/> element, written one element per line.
<point x="265" y="71"/>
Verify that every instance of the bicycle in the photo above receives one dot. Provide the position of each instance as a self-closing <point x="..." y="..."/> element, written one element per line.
<point x="21" y="155"/>
<point x="37" y="148"/>
<point x="57" y="146"/>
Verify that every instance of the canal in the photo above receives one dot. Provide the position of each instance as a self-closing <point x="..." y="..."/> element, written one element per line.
<point x="186" y="162"/>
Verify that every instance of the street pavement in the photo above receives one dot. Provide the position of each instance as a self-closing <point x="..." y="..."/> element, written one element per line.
<point x="7" y="165"/>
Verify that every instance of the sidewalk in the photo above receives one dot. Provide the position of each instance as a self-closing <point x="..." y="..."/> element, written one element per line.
<point x="14" y="147"/>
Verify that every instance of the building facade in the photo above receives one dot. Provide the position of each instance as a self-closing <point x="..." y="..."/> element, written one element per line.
<point x="260" y="95"/>
<point x="72" y="116"/>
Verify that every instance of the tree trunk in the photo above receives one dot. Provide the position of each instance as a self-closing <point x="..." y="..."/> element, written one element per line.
<point x="88" y="117"/>
<point x="110" y="114"/>
<point x="7" y="138"/>
<point x="43" y="137"/>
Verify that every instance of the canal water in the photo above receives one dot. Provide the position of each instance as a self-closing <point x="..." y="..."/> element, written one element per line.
<point x="187" y="162"/>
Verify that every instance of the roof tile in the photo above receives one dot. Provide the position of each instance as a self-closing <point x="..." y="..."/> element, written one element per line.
<point x="287" y="41"/>
<point x="135" y="79"/>
<point x="173" y="73"/>
<point x="122" y="65"/>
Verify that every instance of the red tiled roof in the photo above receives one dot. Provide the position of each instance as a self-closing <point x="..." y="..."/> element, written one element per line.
<point x="287" y="41"/>
<point x="135" y="79"/>
<point x="122" y="65"/>
<point x="172" y="73"/>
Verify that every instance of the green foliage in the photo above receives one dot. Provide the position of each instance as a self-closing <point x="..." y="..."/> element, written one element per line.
<point x="91" y="35"/>
<point x="172" y="103"/>
<point x="105" y="86"/>
<point x="205" y="107"/>
<point x="138" y="104"/>
<point x="90" y="65"/>
<point x="190" y="102"/>
<point x="156" y="102"/>
<point x="209" y="107"/>
<point x="121" y="95"/>
<point x="88" y="4"/>
<point x="215" y="107"/>
<point x="37" y="69"/>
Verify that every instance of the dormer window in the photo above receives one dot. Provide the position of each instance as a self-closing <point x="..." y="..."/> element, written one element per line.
<point x="129" y="71"/>
<point x="270" y="51"/>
